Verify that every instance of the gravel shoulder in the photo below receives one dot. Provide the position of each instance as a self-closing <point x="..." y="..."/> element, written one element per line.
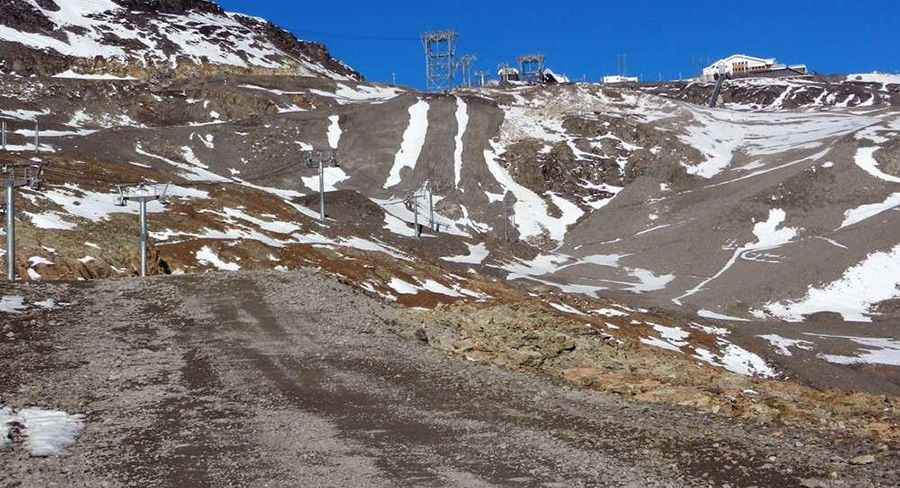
<point x="269" y="379"/>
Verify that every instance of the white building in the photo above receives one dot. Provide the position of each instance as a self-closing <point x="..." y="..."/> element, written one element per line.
<point x="614" y="79"/>
<point x="737" y="64"/>
<point x="507" y="74"/>
<point x="741" y="65"/>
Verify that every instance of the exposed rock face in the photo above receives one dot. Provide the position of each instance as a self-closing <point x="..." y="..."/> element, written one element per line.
<point x="25" y="17"/>
<point x="145" y="38"/>
<point x="889" y="157"/>
<point x="648" y="150"/>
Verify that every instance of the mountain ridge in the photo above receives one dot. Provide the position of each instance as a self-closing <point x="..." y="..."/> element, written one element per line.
<point x="141" y="37"/>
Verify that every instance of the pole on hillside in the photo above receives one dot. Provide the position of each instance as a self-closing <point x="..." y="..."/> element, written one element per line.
<point x="3" y="134"/>
<point x="506" y="222"/>
<point x="143" y="195"/>
<point x="322" y="191"/>
<point x="416" y="212"/>
<point x="321" y="160"/>
<point x="32" y="176"/>
<point x="11" y="227"/>
<point x="431" y="205"/>
<point x="37" y="136"/>
<point x="143" y="237"/>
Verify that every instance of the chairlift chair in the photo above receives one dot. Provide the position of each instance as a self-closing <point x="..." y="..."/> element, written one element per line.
<point x="163" y="195"/>
<point x="120" y="198"/>
<point x="34" y="176"/>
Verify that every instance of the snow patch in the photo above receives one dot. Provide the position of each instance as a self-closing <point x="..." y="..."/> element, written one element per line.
<point x="50" y="220"/>
<point x="344" y="94"/>
<point x="398" y="226"/>
<point x="865" y="212"/>
<point x="874" y="350"/>
<point x="46" y="432"/>
<point x="403" y="287"/>
<point x="71" y="74"/>
<point x="610" y="312"/>
<point x="333" y="177"/>
<point x="334" y="131"/>
<point x="716" y="316"/>
<point x="737" y="360"/>
<point x="477" y="254"/>
<point x="193" y="171"/>
<point x="12" y="304"/>
<point x="562" y="307"/>
<point x="671" y="338"/>
<point x="413" y="141"/>
<point x="873" y="280"/>
<point x="784" y="345"/>
<point x="208" y="257"/>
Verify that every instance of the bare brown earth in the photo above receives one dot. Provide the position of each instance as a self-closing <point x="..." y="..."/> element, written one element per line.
<point x="294" y="379"/>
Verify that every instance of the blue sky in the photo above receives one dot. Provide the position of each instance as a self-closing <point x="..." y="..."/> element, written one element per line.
<point x="660" y="37"/>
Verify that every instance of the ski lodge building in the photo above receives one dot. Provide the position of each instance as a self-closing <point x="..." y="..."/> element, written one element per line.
<point x="743" y="66"/>
<point x="620" y="80"/>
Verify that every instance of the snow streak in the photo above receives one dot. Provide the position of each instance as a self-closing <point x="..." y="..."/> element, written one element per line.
<point x="413" y="141"/>
<point x="462" y="122"/>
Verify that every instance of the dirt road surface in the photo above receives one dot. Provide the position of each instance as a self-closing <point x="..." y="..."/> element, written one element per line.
<point x="283" y="380"/>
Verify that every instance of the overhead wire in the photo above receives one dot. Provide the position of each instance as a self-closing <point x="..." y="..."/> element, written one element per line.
<point x="355" y="37"/>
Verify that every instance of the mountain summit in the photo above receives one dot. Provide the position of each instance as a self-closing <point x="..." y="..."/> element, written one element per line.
<point x="150" y="37"/>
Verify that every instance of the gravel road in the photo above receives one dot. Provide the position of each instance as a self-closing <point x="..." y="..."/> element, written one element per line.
<point x="295" y="379"/>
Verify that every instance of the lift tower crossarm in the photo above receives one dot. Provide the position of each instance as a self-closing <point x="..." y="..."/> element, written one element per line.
<point x="18" y="175"/>
<point x="143" y="194"/>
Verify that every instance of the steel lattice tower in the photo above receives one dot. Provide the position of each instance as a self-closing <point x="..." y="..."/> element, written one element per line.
<point x="531" y="68"/>
<point x="440" y="59"/>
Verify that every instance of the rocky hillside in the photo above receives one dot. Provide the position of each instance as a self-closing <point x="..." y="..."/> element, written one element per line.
<point x="862" y="90"/>
<point x="747" y="216"/>
<point x="151" y="37"/>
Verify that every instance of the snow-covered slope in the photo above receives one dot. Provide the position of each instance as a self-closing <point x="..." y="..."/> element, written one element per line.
<point x="150" y="34"/>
